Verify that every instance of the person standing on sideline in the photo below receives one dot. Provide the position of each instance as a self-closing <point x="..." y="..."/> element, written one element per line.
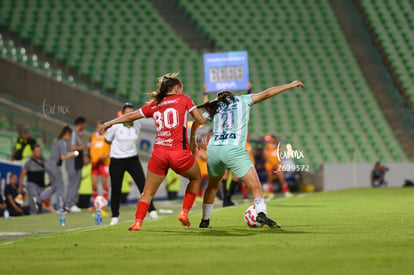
<point x="24" y="145"/>
<point x="34" y="169"/>
<point x="99" y="154"/>
<point x="74" y="165"/>
<point x="123" y="139"/>
<point x="272" y="154"/>
<point x="60" y="152"/>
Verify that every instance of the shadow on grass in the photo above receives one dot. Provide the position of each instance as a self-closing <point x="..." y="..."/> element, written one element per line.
<point x="218" y="232"/>
<point x="296" y="206"/>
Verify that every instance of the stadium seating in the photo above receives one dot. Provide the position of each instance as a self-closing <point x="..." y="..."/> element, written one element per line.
<point x="6" y="145"/>
<point x="393" y="25"/>
<point x="126" y="44"/>
<point x="122" y="44"/>
<point x="11" y="121"/>
<point x="337" y="112"/>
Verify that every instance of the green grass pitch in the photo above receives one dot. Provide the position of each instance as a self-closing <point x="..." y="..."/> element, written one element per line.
<point x="364" y="231"/>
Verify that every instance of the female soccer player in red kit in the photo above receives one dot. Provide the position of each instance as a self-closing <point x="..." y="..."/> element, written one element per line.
<point x="169" y="108"/>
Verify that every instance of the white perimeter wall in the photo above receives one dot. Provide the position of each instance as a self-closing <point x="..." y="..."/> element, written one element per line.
<point x="349" y="175"/>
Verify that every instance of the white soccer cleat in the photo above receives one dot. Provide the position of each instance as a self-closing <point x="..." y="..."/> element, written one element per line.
<point x="153" y="214"/>
<point x="75" y="209"/>
<point x="114" y="221"/>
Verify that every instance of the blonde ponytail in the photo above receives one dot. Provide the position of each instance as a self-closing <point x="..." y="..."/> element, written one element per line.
<point x="165" y="84"/>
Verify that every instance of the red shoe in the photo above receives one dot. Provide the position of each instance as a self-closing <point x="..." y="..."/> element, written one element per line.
<point x="183" y="218"/>
<point x="136" y="226"/>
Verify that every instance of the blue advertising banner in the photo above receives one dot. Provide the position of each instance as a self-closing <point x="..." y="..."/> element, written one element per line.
<point x="226" y="71"/>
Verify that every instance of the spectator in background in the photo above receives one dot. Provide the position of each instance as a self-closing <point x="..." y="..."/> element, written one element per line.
<point x="3" y="206"/>
<point x="15" y="209"/>
<point x="99" y="153"/>
<point x="59" y="153"/>
<point x="378" y="175"/>
<point x="34" y="169"/>
<point x="124" y="157"/>
<point x="85" y="189"/>
<point x="259" y="163"/>
<point x="230" y="182"/>
<point x="24" y="145"/>
<point x="74" y="165"/>
<point x="173" y="184"/>
<point x="46" y="205"/>
<point x="273" y="166"/>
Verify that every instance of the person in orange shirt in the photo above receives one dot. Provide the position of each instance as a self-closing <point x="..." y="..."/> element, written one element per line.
<point x="273" y="166"/>
<point x="99" y="154"/>
<point x="249" y="148"/>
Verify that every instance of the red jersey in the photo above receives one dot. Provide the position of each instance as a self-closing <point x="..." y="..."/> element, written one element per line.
<point x="171" y="120"/>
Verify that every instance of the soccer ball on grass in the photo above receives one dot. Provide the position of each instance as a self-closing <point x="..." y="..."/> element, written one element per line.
<point x="250" y="217"/>
<point x="100" y="202"/>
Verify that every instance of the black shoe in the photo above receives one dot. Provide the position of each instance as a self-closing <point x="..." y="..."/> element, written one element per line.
<point x="37" y="204"/>
<point x="227" y="203"/>
<point x="205" y="224"/>
<point x="261" y="218"/>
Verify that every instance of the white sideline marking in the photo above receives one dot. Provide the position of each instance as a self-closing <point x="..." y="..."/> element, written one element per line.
<point x="13" y="233"/>
<point x="92" y="228"/>
<point x="70" y="231"/>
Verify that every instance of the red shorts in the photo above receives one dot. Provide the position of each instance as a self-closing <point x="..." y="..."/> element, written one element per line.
<point x="161" y="160"/>
<point x="100" y="169"/>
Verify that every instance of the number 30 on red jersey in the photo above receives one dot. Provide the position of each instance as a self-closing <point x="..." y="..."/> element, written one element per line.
<point x="167" y="119"/>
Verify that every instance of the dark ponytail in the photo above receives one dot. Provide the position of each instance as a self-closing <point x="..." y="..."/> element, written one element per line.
<point x="212" y="107"/>
<point x="165" y="84"/>
<point x="64" y="130"/>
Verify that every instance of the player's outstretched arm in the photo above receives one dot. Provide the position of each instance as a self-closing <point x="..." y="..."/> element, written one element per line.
<point x="130" y="117"/>
<point x="198" y="117"/>
<point x="275" y="91"/>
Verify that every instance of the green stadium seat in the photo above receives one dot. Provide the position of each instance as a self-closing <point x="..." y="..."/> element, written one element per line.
<point x="125" y="45"/>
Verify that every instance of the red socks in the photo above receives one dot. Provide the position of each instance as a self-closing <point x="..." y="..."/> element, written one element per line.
<point x="271" y="188"/>
<point x="285" y="187"/>
<point x="188" y="201"/>
<point x="94" y="193"/>
<point x="105" y="193"/>
<point x="142" y="209"/>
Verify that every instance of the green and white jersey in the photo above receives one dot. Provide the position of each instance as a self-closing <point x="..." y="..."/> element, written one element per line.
<point x="230" y="124"/>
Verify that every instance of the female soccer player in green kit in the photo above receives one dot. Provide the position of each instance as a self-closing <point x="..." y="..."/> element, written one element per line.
<point x="226" y="148"/>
